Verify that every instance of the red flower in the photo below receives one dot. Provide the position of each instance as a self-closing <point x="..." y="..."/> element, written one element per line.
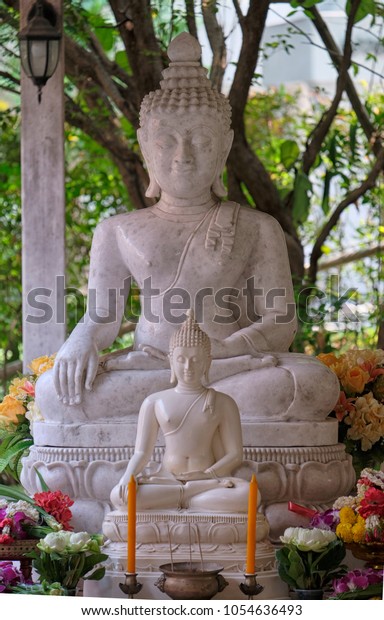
<point x="5" y="539"/>
<point x="56" y="504"/>
<point x="372" y="503"/>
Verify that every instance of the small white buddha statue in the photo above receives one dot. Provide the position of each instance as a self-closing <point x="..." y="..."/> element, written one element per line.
<point x="202" y="434"/>
<point x="191" y="249"/>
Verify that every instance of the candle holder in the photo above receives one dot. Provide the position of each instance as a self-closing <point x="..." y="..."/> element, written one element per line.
<point x="131" y="585"/>
<point x="251" y="588"/>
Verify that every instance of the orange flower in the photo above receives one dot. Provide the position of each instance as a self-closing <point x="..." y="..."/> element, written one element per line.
<point x="42" y="364"/>
<point x="10" y="408"/>
<point x="355" y="379"/>
<point x="327" y="358"/>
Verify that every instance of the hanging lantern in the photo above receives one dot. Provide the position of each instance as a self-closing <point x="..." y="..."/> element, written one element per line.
<point x="40" y="44"/>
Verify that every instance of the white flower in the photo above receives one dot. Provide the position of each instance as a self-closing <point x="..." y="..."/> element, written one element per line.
<point x="55" y="541"/>
<point x="25" y="507"/>
<point x="33" y="413"/>
<point x="79" y="541"/>
<point x="308" y="539"/>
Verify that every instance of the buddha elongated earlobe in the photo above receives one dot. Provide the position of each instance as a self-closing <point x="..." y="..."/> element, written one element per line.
<point x="218" y="187"/>
<point x="153" y="189"/>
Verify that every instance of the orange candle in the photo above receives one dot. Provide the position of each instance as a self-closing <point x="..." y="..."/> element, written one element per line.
<point x="251" y="534"/>
<point x="131" y="528"/>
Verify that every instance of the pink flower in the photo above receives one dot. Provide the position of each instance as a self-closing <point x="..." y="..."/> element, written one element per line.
<point x="29" y="388"/>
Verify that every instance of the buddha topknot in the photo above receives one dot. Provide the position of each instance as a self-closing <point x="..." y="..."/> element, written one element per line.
<point x="185" y="86"/>
<point x="190" y="334"/>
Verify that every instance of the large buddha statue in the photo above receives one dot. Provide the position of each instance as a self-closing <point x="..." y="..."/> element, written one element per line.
<point x="197" y="469"/>
<point x="191" y="249"/>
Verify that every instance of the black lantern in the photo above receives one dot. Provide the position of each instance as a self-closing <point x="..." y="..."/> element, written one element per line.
<point x="40" y="44"/>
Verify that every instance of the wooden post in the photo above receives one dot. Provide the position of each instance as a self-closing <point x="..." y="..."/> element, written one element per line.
<point x="43" y="209"/>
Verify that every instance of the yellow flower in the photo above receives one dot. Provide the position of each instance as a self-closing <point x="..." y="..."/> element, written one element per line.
<point x="355" y="379"/>
<point x="358" y="530"/>
<point x="42" y="364"/>
<point x="10" y="408"/>
<point x="344" y="531"/>
<point x="366" y="421"/>
<point x="347" y="516"/>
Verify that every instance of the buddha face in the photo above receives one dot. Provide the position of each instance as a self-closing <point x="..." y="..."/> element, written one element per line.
<point x="185" y="154"/>
<point x="189" y="365"/>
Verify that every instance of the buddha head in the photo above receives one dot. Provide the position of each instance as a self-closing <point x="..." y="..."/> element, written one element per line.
<point x="185" y="134"/>
<point x="189" y="353"/>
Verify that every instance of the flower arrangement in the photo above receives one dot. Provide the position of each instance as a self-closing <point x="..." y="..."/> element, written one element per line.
<point x="359" y="584"/>
<point x="10" y="576"/>
<point x="310" y="558"/>
<point x="18" y="411"/>
<point x="360" y="408"/>
<point x="24" y="517"/>
<point x="361" y="517"/>
<point x="66" y="557"/>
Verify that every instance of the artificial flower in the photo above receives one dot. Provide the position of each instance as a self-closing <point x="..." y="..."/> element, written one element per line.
<point x="355" y="379"/>
<point x="42" y="364"/>
<point x="358" y="583"/>
<point x="22" y="388"/>
<point x="308" y="539"/>
<point x="327" y="520"/>
<point x="372" y="503"/>
<point x="65" y="557"/>
<point x="33" y="413"/>
<point x="57" y="504"/>
<point x="9" y="576"/>
<point x="10" y="408"/>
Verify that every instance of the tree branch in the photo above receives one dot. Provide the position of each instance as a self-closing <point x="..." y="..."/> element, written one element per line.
<point x="322" y="128"/>
<point x="370" y="131"/>
<point x="191" y="17"/>
<point x="350" y="198"/>
<point x="143" y="50"/>
<point x="217" y="42"/>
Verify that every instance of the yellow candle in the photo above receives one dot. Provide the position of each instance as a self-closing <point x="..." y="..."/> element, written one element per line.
<point x="251" y="534"/>
<point x="131" y="529"/>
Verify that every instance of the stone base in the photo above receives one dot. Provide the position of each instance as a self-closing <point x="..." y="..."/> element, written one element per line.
<point x="150" y="557"/>
<point x="123" y="433"/>
<point x="313" y="476"/>
<point x="155" y="527"/>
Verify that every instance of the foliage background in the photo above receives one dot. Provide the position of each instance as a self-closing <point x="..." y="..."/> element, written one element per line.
<point x="311" y="168"/>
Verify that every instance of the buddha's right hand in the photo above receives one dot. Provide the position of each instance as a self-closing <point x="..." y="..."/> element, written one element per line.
<point x="75" y="369"/>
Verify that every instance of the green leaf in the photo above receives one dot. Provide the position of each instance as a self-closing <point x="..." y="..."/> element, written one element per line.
<point x="289" y="152"/>
<point x="366" y="7"/>
<point x="97" y="574"/>
<point x="121" y="59"/>
<point x="327" y="183"/>
<point x="43" y="484"/>
<point x="301" y="199"/>
<point x="106" y="37"/>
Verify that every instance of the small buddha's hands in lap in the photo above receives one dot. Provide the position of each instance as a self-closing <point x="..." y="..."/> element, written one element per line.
<point x="146" y="358"/>
<point x="75" y="369"/>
